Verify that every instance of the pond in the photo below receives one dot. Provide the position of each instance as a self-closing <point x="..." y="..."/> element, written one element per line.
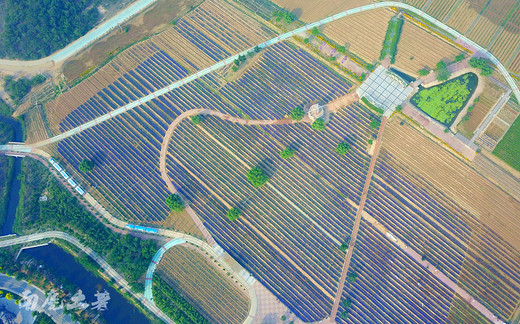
<point x="120" y="310"/>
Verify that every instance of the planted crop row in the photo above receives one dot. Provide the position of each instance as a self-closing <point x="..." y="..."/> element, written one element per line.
<point x="391" y="287"/>
<point x="214" y="294"/>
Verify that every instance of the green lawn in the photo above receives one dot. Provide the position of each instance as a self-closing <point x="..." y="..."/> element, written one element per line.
<point x="508" y="149"/>
<point x="392" y="36"/>
<point x="444" y="101"/>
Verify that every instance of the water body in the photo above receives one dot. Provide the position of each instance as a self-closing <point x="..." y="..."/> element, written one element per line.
<point x="119" y="309"/>
<point x="14" y="193"/>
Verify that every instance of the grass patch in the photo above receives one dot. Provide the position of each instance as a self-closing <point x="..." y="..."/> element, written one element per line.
<point x="372" y="106"/>
<point x="508" y="149"/>
<point x="444" y="101"/>
<point x="392" y="36"/>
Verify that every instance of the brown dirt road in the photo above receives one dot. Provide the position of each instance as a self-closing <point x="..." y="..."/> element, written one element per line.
<point x="166" y="142"/>
<point x="359" y="215"/>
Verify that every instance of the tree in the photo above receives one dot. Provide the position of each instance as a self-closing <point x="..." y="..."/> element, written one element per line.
<point x="197" y="119"/>
<point x="315" y="31"/>
<point x="352" y="276"/>
<point x="459" y="57"/>
<point x="398" y="108"/>
<point x="297" y="113"/>
<point x="287" y="153"/>
<point x="342" y="148"/>
<point x="482" y="64"/>
<point x="257" y="49"/>
<point x="344" y="315"/>
<point x="9" y="296"/>
<point x="86" y="165"/>
<point x="342" y="49"/>
<point x="233" y="214"/>
<point x="257" y="177"/>
<point x="344" y="246"/>
<point x="441" y="65"/>
<point x="37" y="79"/>
<point x="318" y="124"/>
<point x="283" y="318"/>
<point x="346" y="303"/>
<point x="237" y="62"/>
<point x="443" y="75"/>
<point x="242" y="58"/>
<point x="306" y="40"/>
<point x="424" y="71"/>
<point x="375" y="123"/>
<point x="370" y="141"/>
<point x="174" y="201"/>
<point x="370" y="67"/>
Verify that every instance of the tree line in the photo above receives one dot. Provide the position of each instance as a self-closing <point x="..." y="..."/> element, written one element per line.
<point x="35" y="29"/>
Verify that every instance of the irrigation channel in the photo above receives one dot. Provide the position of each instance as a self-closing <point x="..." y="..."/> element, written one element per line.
<point x="14" y="192"/>
<point x="119" y="310"/>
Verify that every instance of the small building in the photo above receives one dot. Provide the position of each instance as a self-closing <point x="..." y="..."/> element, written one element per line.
<point x="6" y="317"/>
<point x="384" y="89"/>
<point x="315" y="112"/>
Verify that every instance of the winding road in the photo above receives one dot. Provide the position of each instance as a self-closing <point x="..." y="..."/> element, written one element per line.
<point x="176" y="235"/>
<point x="79" y="44"/>
<point x="282" y="37"/>
<point x="104" y="265"/>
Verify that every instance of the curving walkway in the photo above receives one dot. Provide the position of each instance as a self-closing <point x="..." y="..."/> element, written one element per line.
<point x="166" y="142"/>
<point x="104" y="265"/>
<point x="211" y="252"/>
<point x="384" y="4"/>
<point x="79" y="44"/>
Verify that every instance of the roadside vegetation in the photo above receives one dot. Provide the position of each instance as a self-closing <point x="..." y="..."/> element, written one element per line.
<point x="62" y="211"/>
<point x="442" y="71"/>
<point x="482" y="64"/>
<point x="372" y="106"/>
<point x="444" y="101"/>
<point x="508" y="149"/>
<point x="6" y="169"/>
<point x="17" y="89"/>
<point x="174" y="305"/>
<point x="35" y="29"/>
<point x="392" y="36"/>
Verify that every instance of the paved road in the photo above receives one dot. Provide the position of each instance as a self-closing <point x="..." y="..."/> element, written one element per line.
<point x="19" y="286"/>
<point x="359" y="215"/>
<point x="104" y="265"/>
<point x="80" y="43"/>
<point x="229" y="60"/>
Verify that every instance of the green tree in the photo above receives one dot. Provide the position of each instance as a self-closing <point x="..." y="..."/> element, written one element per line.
<point x="297" y="113"/>
<point x="257" y="177"/>
<point x="306" y="40"/>
<point x="346" y="303"/>
<point x="9" y="296"/>
<point x="174" y="201"/>
<point x="342" y="148"/>
<point x="398" y="108"/>
<point x="344" y="246"/>
<point x="315" y="31"/>
<point x="257" y="49"/>
<point x="375" y="123"/>
<point x="342" y="49"/>
<point x="233" y="214"/>
<point x="424" y="71"/>
<point x="86" y="165"/>
<point x="242" y="58"/>
<point x="319" y="125"/>
<point x="352" y="276"/>
<point x="197" y="119"/>
<point x="344" y="315"/>
<point x="443" y="75"/>
<point x="459" y="57"/>
<point x="237" y="62"/>
<point x="287" y="153"/>
<point x="38" y="79"/>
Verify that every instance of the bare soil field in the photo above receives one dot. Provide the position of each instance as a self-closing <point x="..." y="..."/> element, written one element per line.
<point x="419" y="48"/>
<point x="500" y="124"/>
<point x="310" y="11"/>
<point x="35" y="126"/>
<point x="488" y="203"/>
<point x="182" y="222"/>
<point x="204" y="285"/>
<point x="156" y="18"/>
<point x="359" y="37"/>
<point x="487" y="100"/>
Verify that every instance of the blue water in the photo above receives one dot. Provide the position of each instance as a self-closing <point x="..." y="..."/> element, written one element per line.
<point x="64" y="264"/>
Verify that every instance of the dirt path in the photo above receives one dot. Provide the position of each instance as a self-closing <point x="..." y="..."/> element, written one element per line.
<point x="166" y="142"/>
<point x="359" y="215"/>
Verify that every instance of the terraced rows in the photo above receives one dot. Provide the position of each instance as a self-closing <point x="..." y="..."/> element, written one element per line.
<point x="391" y="287"/>
<point x="293" y="77"/>
<point x="205" y="286"/>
